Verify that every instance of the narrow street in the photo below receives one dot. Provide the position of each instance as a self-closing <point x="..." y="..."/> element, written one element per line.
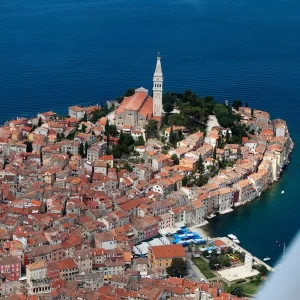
<point x="194" y="273"/>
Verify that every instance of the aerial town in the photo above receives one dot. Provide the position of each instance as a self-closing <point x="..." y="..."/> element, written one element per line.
<point x="103" y="202"/>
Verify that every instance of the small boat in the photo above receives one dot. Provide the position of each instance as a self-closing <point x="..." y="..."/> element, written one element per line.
<point x="236" y="241"/>
<point x="266" y="259"/>
<point x="282" y="192"/>
<point x="232" y="237"/>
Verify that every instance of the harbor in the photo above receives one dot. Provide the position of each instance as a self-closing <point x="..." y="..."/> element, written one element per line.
<point x="230" y="243"/>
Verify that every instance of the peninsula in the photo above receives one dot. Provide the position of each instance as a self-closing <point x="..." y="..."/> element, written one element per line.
<point x="100" y="203"/>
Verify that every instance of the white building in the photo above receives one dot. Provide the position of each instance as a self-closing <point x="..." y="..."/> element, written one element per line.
<point x="157" y="88"/>
<point x="225" y="199"/>
<point x="251" y="145"/>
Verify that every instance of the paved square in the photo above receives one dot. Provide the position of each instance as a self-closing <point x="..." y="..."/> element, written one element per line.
<point x="237" y="273"/>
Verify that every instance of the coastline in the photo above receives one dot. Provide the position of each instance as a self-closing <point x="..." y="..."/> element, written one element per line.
<point x="270" y="140"/>
<point x="201" y="227"/>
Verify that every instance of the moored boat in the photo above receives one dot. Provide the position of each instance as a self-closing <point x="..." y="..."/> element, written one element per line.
<point x="232" y="236"/>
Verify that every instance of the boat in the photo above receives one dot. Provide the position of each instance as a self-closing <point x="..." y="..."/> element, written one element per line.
<point x="232" y="237"/>
<point x="236" y="241"/>
<point x="282" y="192"/>
<point x="266" y="259"/>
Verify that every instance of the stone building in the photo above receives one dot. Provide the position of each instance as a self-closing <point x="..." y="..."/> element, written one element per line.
<point x="138" y="109"/>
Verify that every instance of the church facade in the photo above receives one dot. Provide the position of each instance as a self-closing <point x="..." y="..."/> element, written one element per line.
<point x="138" y="109"/>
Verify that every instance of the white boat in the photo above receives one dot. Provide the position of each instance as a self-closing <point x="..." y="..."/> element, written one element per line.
<point x="266" y="259"/>
<point x="282" y="192"/>
<point x="236" y="241"/>
<point x="231" y="236"/>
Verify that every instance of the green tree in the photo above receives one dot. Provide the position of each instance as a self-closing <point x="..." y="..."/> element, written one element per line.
<point x="116" y="152"/>
<point x="175" y="159"/>
<point x="237" y="104"/>
<point x="40" y="122"/>
<point x="81" y="150"/>
<point x="127" y="140"/>
<point x="236" y="290"/>
<point x="84" y="119"/>
<point x="106" y="132"/>
<point x="105" y="109"/>
<point x="180" y="135"/>
<point x="28" y="146"/>
<point x="168" y="107"/>
<point x="215" y="153"/>
<point x="201" y="180"/>
<point x="151" y="129"/>
<point x="225" y="261"/>
<point x="229" y="250"/>
<point x="246" y="103"/>
<point x="227" y="136"/>
<point x="208" y="98"/>
<point x="205" y="253"/>
<point x="214" y="263"/>
<point x="184" y="180"/>
<point x="242" y="256"/>
<point x="200" y="164"/>
<point x="83" y="127"/>
<point x="169" y="98"/>
<point x="128" y="167"/>
<point x="224" y="115"/>
<point x="172" y="137"/>
<point x="106" y="128"/>
<point x="86" y="147"/>
<point x="177" y="119"/>
<point x="190" y="97"/>
<point x="252" y="112"/>
<point x="178" y="268"/>
<point x="113" y="131"/>
<point x="121" y="138"/>
<point x="125" y="145"/>
<point x="140" y="141"/>
<point x="262" y="269"/>
<point x="96" y="115"/>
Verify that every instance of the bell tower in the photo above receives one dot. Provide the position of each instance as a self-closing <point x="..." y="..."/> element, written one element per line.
<point x="157" y="88"/>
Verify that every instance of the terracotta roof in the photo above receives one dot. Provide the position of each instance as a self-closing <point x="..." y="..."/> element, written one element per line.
<point x="136" y="101"/>
<point x="168" y="251"/>
<point x="147" y="108"/>
<point x="218" y="243"/>
<point x="38" y="265"/>
<point x="66" y="264"/>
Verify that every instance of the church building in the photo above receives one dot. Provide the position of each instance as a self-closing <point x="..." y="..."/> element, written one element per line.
<point x="138" y="109"/>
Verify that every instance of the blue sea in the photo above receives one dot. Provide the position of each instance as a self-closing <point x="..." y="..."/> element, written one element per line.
<point x="63" y="52"/>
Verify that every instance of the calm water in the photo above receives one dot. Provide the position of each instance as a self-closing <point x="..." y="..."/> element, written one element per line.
<point x="62" y="52"/>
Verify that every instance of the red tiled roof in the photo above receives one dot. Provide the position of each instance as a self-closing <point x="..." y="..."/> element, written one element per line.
<point x="136" y="101"/>
<point x="147" y="108"/>
<point x="168" y="251"/>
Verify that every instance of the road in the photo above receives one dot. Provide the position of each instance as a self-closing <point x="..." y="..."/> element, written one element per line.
<point x="211" y="122"/>
<point x="194" y="273"/>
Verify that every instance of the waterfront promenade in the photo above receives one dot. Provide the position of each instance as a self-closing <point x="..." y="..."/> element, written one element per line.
<point x="230" y="243"/>
<point x="236" y="247"/>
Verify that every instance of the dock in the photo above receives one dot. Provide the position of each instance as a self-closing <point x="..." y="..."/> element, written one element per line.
<point x="234" y="246"/>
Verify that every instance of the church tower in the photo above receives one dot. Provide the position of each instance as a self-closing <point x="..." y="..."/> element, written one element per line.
<point x="157" y="89"/>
